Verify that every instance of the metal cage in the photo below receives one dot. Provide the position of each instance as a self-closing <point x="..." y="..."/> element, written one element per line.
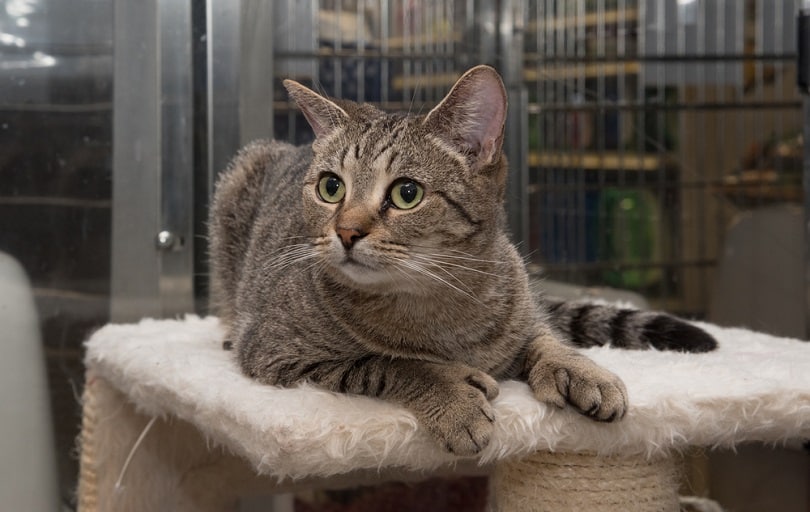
<point x="638" y="129"/>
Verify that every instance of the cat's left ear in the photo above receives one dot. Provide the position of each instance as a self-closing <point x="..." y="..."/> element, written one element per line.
<point x="472" y="115"/>
<point x="323" y="114"/>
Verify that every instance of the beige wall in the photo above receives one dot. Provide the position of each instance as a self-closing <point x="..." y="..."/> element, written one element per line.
<point x="711" y="145"/>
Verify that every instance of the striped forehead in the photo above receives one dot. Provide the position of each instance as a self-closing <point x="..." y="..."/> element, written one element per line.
<point x="374" y="150"/>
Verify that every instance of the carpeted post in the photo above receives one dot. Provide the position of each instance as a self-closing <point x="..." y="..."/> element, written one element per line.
<point x="571" y="482"/>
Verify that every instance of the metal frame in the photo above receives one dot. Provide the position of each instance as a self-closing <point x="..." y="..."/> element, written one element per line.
<point x="159" y="168"/>
<point x="152" y="236"/>
<point x="511" y="28"/>
<point x="239" y="70"/>
<point x="806" y="186"/>
<point x="256" y="72"/>
<point x="222" y="83"/>
<point x="803" y="76"/>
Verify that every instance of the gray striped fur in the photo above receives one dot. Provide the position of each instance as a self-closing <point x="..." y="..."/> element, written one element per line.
<point x="426" y="307"/>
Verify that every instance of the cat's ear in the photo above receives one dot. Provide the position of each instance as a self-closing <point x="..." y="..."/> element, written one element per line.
<point x="472" y="115"/>
<point x="322" y="113"/>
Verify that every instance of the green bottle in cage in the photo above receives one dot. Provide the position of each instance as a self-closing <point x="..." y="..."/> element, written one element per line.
<point x="631" y="238"/>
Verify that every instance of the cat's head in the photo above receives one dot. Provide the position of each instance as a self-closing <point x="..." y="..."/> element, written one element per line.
<point x="403" y="202"/>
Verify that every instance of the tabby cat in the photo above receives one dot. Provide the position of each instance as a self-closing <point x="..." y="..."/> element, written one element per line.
<point x="376" y="262"/>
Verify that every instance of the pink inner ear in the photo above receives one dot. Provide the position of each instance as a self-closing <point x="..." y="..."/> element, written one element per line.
<point x="316" y="126"/>
<point x="472" y="115"/>
<point x="489" y="113"/>
<point x="480" y="112"/>
<point x="321" y="113"/>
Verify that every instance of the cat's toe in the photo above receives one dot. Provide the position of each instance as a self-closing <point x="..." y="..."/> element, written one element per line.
<point x="546" y="390"/>
<point x="484" y="383"/>
<point x="589" y="388"/>
<point x="470" y="432"/>
<point x="602" y="400"/>
<point x="463" y="424"/>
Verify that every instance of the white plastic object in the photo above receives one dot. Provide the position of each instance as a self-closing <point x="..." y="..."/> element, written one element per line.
<point x="27" y="454"/>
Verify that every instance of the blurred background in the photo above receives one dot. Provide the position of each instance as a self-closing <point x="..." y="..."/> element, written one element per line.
<point x="656" y="148"/>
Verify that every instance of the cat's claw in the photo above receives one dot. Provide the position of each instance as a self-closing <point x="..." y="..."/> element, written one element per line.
<point x="589" y="388"/>
<point x="466" y="425"/>
<point x="463" y="423"/>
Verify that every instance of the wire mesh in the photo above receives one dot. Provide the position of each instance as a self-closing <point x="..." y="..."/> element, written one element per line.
<point x="648" y="124"/>
<point x="400" y="55"/>
<point x="652" y="124"/>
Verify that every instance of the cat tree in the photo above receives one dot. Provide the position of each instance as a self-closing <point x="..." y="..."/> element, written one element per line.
<point x="170" y="424"/>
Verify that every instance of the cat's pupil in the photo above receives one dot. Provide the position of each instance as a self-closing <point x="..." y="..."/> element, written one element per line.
<point x="332" y="186"/>
<point x="408" y="192"/>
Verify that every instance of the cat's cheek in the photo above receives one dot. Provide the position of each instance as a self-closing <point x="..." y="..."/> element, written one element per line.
<point x="317" y="217"/>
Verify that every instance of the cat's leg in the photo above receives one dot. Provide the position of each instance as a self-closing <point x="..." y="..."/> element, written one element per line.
<point x="450" y="400"/>
<point x="558" y="374"/>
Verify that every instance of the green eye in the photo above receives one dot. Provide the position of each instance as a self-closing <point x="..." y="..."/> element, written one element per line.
<point x="405" y="194"/>
<point x="331" y="188"/>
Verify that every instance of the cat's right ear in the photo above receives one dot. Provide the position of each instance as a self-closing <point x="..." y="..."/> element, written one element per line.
<point x="472" y="115"/>
<point x="322" y="114"/>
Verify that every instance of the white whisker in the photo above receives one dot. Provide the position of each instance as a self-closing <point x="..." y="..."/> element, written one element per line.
<point x="439" y="266"/>
<point x="438" y="262"/>
<point x="407" y="275"/>
<point x="290" y="255"/>
<point x="415" y="266"/>
<point x="465" y="255"/>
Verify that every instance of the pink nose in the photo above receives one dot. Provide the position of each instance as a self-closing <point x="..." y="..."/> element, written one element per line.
<point x="348" y="236"/>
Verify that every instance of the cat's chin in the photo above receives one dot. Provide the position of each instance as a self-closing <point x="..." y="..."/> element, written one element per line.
<point x="363" y="277"/>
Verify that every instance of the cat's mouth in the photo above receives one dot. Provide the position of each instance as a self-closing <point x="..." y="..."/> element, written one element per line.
<point x="360" y="273"/>
<point x="351" y="261"/>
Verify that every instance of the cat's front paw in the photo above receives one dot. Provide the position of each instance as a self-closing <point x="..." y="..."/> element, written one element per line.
<point x="458" y="413"/>
<point x="575" y="379"/>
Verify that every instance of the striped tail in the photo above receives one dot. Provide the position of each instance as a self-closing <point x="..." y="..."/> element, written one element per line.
<point x="588" y="325"/>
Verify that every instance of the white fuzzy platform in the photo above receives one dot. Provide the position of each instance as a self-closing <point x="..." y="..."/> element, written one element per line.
<point x="755" y="387"/>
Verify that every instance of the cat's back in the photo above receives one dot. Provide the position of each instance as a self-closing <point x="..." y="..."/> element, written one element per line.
<point x="261" y="186"/>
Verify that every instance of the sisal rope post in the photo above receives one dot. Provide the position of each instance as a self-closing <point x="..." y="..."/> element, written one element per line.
<point x="570" y="482"/>
<point x="88" y="475"/>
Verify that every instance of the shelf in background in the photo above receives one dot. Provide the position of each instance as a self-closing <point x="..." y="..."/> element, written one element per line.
<point x="584" y="70"/>
<point x="592" y="19"/>
<point x="418" y="41"/>
<point x="595" y="160"/>
<point x="754" y="187"/>
<point x="567" y="72"/>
